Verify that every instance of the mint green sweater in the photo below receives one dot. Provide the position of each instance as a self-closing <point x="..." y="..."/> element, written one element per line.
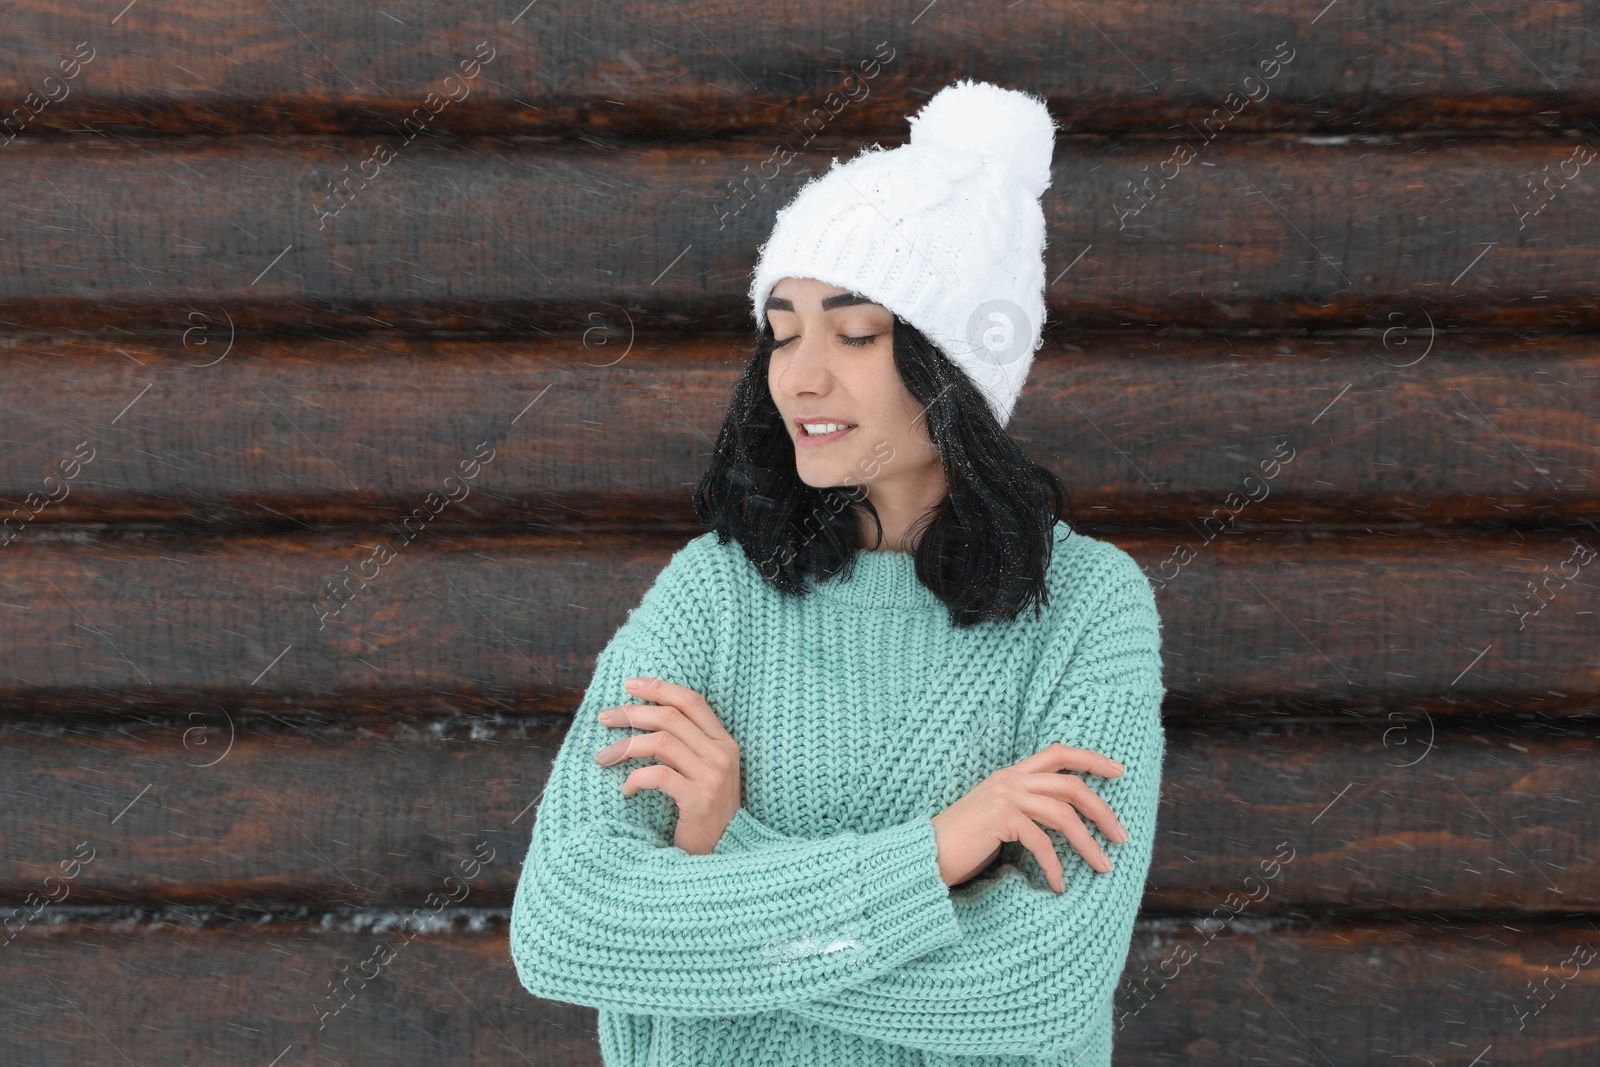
<point x="818" y="932"/>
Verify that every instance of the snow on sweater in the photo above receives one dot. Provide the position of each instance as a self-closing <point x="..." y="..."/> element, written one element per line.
<point x="818" y="931"/>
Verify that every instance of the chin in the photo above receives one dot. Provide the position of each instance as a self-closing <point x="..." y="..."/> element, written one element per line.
<point x="819" y="476"/>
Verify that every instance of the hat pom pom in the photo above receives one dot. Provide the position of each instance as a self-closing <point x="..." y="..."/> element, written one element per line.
<point x="1000" y="126"/>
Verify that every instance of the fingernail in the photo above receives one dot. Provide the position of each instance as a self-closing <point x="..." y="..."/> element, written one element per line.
<point x="1120" y="768"/>
<point x="605" y="716"/>
<point x="632" y="682"/>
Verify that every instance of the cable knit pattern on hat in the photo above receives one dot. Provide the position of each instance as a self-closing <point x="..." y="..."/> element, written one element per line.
<point x="946" y="231"/>
<point x="818" y="932"/>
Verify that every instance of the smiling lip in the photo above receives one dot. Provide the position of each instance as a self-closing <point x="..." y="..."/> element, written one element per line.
<point x="805" y="440"/>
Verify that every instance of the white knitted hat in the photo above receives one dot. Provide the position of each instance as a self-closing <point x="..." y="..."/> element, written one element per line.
<point x="946" y="231"/>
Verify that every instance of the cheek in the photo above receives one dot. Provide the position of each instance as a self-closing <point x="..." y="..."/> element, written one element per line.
<point x="876" y="385"/>
<point x="910" y="446"/>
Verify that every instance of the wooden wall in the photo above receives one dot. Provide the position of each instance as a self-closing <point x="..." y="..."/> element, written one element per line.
<point x="261" y="294"/>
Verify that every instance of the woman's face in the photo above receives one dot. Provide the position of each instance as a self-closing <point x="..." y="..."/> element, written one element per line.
<point x="833" y="366"/>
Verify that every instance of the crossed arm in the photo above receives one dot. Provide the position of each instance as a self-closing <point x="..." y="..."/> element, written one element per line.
<point x="1033" y="970"/>
<point x="857" y="931"/>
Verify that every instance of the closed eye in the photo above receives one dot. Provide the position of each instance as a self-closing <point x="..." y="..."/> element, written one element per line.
<point x="856" y="342"/>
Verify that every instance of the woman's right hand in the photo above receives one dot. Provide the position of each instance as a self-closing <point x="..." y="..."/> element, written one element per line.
<point x="699" y="759"/>
<point x="1008" y="805"/>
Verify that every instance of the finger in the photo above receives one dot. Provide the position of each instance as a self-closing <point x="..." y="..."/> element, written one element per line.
<point x="659" y="746"/>
<point x="1038" y="842"/>
<point x="663" y="717"/>
<point x="657" y="776"/>
<point x="687" y="700"/>
<point x="1063" y="817"/>
<point x="1059" y="757"/>
<point x="695" y="833"/>
<point x="1082" y="796"/>
<point x="661" y="777"/>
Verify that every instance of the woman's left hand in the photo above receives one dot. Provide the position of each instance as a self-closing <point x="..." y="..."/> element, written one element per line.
<point x="699" y="766"/>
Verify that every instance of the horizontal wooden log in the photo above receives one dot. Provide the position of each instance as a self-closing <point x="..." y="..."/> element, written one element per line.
<point x="1343" y="995"/>
<point x="267" y="994"/>
<point x="211" y="429"/>
<point x="1404" y="813"/>
<point x="1408" y="813"/>
<point x="1283" y="231"/>
<point x="1353" y="994"/>
<point x="707" y="68"/>
<point x="1439" y="622"/>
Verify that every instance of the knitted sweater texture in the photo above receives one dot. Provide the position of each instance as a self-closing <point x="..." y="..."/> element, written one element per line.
<point x="818" y="932"/>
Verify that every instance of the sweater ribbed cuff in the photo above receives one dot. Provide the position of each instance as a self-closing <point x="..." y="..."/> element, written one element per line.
<point x="907" y="902"/>
<point x="747" y="832"/>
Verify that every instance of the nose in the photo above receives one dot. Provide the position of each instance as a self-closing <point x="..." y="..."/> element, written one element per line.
<point x="807" y="367"/>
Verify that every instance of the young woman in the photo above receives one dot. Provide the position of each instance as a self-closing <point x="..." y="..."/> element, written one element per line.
<point x="804" y="812"/>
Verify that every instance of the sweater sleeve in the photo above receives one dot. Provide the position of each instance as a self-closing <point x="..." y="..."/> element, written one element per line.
<point x="1033" y="972"/>
<point x="608" y="913"/>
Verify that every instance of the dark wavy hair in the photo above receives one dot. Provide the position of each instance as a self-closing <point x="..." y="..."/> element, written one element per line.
<point x="984" y="550"/>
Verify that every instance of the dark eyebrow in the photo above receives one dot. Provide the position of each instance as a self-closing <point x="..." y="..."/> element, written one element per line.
<point x="778" y="303"/>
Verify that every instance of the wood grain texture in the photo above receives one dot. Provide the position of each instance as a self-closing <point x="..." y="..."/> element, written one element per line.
<point x="216" y="431"/>
<point x="1344" y="994"/>
<point x="1349" y="993"/>
<point x="1397" y="814"/>
<point x="168" y="991"/>
<point x="1258" y="234"/>
<point x="708" y="68"/>
<point x="451" y="622"/>
<point x="282" y="279"/>
<point x="1407" y="814"/>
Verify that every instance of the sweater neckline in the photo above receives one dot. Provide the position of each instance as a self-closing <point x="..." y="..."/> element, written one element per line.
<point x="888" y="580"/>
<point x="880" y="580"/>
